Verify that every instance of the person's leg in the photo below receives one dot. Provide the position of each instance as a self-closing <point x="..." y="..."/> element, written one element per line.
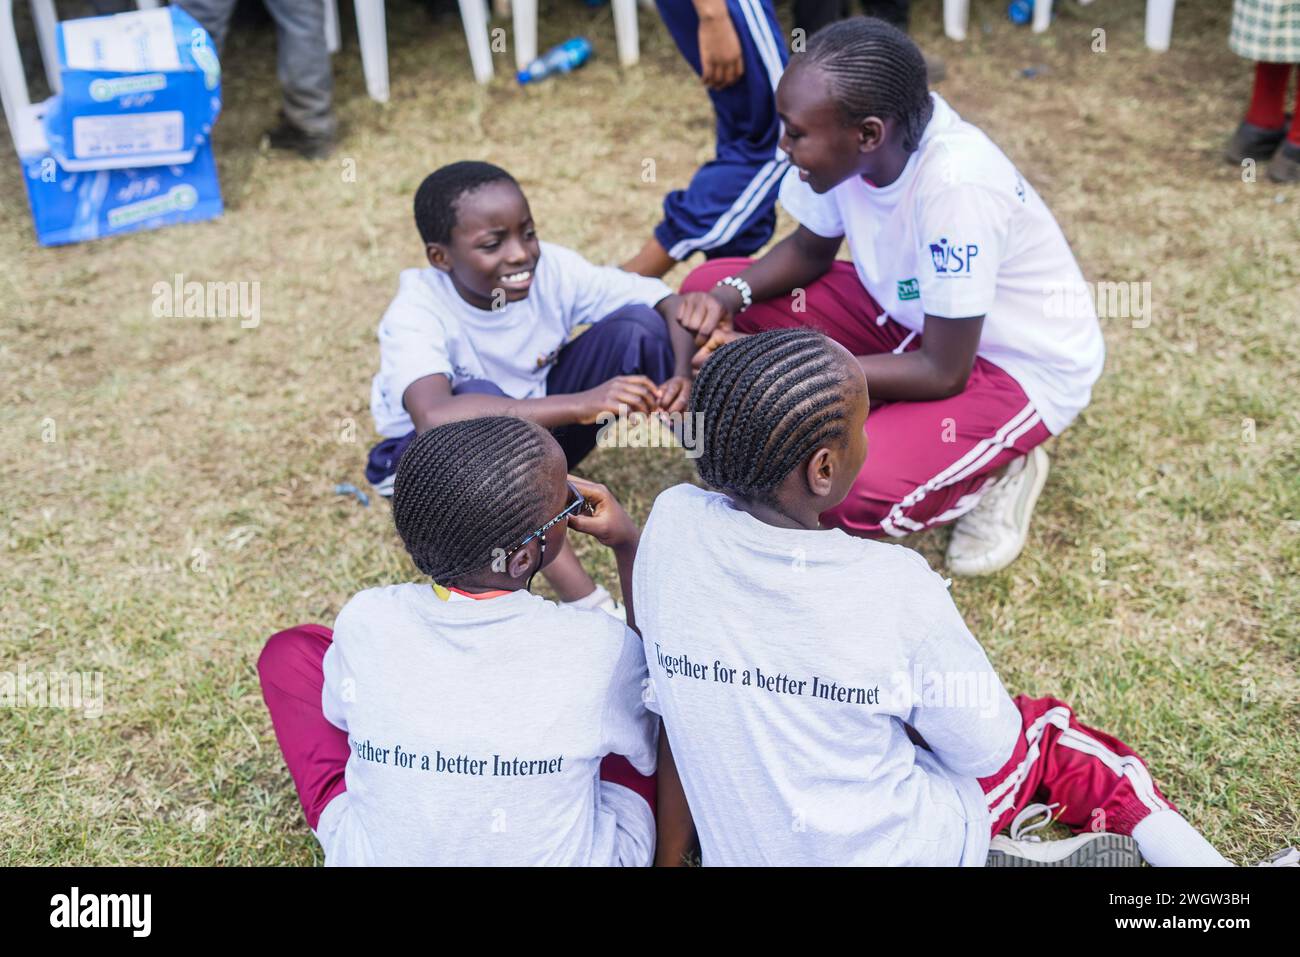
<point x="632" y="340"/>
<point x="1258" y="135"/>
<point x="896" y="12"/>
<point x="928" y="462"/>
<point x="1097" y="783"/>
<point x="618" y="770"/>
<point x="811" y="15"/>
<point x="315" y="750"/>
<point x="729" y="207"/>
<point x="1267" y="107"/>
<point x="631" y="796"/>
<point x="213" y="16"/>
<point x="304" y="68"/>
<point x="1285" y="166"/>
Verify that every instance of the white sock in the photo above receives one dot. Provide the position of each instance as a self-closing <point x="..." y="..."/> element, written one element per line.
<point x="1165" y="839"/>
<point x="598" y="596"/>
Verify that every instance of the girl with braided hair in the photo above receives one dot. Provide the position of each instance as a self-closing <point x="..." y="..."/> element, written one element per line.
<point x="464" y="720"/>
<point x="963" y="303"/>
<point x="822" y="700"/>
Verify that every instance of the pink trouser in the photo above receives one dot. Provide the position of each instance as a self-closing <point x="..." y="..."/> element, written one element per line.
<point x="315" y="750"/>
<point x="927" y="462"/>
<point x="1096" y="780"/>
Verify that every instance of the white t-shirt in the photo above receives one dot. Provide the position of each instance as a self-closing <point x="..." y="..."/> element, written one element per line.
<point x="477" y="730"/>
<point x="429" y="329"/>
<point x="961" y="234"/>
<point x="784" y="663"/>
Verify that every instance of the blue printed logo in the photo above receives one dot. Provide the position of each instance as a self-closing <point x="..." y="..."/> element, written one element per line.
<point x="953" y="259"/>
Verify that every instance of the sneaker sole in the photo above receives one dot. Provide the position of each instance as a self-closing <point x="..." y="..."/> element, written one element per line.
<point x="1109" y="850"/>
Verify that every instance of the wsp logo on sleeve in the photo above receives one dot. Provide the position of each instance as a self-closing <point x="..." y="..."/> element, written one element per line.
<point x="953" y="260"/>
<point x="75" y="909"/>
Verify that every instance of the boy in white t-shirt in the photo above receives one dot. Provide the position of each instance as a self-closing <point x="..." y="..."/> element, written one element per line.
<point x="466" y="721"/>
<point x="963" y="302"/>
<point x="822" y="700"/>
<point x="491" y="327"/>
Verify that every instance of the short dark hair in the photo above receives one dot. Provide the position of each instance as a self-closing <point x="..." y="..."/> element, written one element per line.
<point x="764" y="403"/>
<point x="466" y="488"/>
<point x="874" y="69"/>
<point x="435" y="200"/>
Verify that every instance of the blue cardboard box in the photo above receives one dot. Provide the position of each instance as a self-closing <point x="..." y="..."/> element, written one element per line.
<point x="70" y="206"/>
<point x="128" y="140"/>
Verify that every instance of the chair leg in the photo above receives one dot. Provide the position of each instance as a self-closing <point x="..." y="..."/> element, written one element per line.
<point x="47" y="21"/>
<point x="473" y="13"/>
<point x="1042" y="15"/>
<point x="956" y="14"/>
<point x="333" y="42"/>
<point x="525" y="27"/>
<point x="625" y="32"/>
<point x="372" y="35"/>
<point x="1160" y="24"/>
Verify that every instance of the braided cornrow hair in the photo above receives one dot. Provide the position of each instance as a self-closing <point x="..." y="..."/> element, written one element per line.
<point x="765" y="403"/>
<point x="435" y="200"/>
<point x="874" y="69"/>
<point x="466" y="488"/>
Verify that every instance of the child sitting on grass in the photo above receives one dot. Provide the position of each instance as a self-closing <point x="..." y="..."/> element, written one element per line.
<point x="467" y="721"/>
<point x="832" y="707"/>
<point x="488" y="329"/>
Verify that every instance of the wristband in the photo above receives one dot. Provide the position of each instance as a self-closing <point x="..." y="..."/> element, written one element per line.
<point x="742" y="287"/>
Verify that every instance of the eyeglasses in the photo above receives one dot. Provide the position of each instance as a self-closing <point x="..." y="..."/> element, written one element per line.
<point x="579" y="503"/>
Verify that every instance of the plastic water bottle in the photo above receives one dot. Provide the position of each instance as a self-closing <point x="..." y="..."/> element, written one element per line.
<point x="566" y="57"/>
<point x="1020" y="12"/>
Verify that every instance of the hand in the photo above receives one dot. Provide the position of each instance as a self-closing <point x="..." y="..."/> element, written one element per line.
<point x="603" y="519"/>
<point x="721" y="61"/>
<point x="701" y="313"/>
<point x="675" y="394"/>
<point x="636" y="392"/>
<point x="719" y="338"/>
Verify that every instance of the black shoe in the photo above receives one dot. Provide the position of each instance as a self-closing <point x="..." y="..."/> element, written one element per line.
<point x="1253" y="142"/>
<point x="312" y="146"/>
<point x="1285" y="167"/>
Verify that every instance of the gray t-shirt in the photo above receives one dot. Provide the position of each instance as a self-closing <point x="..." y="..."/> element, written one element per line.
<point x="477" y="730"/>
<point x="785" y="663"/>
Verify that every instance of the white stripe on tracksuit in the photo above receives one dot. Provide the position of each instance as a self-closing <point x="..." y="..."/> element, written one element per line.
<point x="1127" y="766"/>
<point x="769" y="174"/>
<point x="976" y="458"/>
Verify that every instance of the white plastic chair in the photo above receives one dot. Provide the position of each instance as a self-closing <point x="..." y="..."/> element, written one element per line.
<point x="372" y="34"/>
<point x="1159" y="22"/>
<point x="46" y="20"/>
<point x="625" y="31"/>
<point x="23" y="117"/>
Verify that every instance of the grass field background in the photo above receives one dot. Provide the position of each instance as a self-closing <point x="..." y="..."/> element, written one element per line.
<point x="185" y="508"/>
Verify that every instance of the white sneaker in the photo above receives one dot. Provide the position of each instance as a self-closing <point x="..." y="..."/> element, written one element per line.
<point x="601" y="600"/>
<point x="991" y="536"/>
<point x="1092" y="849"/>
<point x="1287" y="857"/>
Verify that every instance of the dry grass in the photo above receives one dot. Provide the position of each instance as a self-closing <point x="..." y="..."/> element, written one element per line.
<point x="187" y="509"/>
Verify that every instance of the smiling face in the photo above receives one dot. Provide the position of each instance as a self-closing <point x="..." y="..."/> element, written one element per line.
<point x="825" y="149"/>
<point x="493" y="253"/>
